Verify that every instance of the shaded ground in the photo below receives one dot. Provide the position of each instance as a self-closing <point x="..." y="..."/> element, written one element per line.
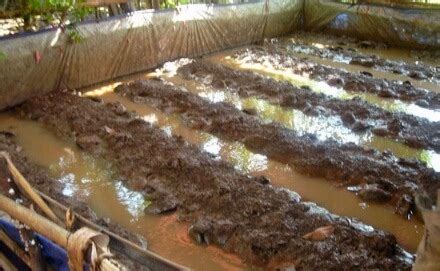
<point x="241" y="214"/>
<point x="356" y="114"/>
<point x="39" y="179"/>
<point x="360" y="82"/>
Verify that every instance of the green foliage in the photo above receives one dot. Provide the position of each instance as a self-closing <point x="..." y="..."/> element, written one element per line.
<point x="172" y="3"/>
<point x="2" y="56"/>
<point x="79" y="13"/>
<point x="51" y="12"/>
<point x="167" y="4"/>
<point x="73" y="33"/>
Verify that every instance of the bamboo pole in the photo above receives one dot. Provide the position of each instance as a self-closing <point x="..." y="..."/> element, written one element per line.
<point x="15" y="248"/>
<point x="46" y="228"/>
<point x="35" y="221"/>
<point x="28" y="190"/>
<point x="125" y="243"/>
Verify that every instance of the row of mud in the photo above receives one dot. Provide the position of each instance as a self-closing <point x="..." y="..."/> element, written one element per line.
<point x="356" y="114"/>
<point x="338" y="53"/>
<point x="39" y="178"/>
<point x="241" y="214"/>
<point x="375" y="176"/>
<point x="360" y="82"/>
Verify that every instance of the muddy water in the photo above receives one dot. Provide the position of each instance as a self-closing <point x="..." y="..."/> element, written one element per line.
<point x="324" y="193"/>
<point x="344" y="64"/>
<point x="91" y="180"/>
<point x="391" y="53"/>
<point x="323" y="127"/>
<point x="393" y="105"/>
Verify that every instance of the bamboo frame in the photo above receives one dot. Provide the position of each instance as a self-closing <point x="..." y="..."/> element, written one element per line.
<point x="44" y="227"/>
<point x="28" y="191"/>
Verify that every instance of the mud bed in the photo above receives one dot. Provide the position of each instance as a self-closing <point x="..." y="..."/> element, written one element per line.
<point x="216" y="201"/>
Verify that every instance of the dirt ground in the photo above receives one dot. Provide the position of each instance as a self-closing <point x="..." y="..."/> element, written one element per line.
<point x="355" y="113"/>
<point x="264" y="225"/>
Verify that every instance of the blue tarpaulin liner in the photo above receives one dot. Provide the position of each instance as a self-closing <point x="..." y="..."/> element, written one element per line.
<point x="54" y="255"/>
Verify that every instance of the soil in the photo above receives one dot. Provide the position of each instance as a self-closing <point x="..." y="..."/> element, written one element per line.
<point x="264" y="225"/>
<point x="419" y="71"/>
<point x="40" y="180"/>
<point x="356" y="114"/>
<point x="375" y="176"/>
<point x="360" y="82"/>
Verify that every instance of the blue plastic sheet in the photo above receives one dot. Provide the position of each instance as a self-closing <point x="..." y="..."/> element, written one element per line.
<point x="54" y="255"/>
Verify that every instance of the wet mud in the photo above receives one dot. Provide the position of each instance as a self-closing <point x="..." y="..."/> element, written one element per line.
<point x="39" y="178"/>
<point x="375" y="176"/>
<point x="363" y="82"/>
<point x="326" y="194"/>
<point x="241" y="214"/>
<point x="320" y="39"/>
<point x="356" y="114"/>
<point x="324" y="127"/>
<point x="339" y="53"/>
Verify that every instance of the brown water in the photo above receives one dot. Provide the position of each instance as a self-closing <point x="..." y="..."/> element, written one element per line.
<point x="393" y="105"/>
<point x="391" y="53"/>
<point x="92" y="180"/>
<point x="337" y="200"/>
<point x="375" y="72"/>
<point x="323" y="127"/>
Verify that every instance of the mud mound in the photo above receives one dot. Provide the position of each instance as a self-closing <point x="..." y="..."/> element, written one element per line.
<point x="356" y="114"/>
<point x="381" y="176"/>
<point x="262" y="224"/>
<point x="361" y="82"/>
<point x="337" y="53"/>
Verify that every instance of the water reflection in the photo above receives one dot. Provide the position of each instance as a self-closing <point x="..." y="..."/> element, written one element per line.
<point x="282" y="74"/>
<point x="134" y="201"/>
<point x="243" y="159"/>
<point x="90" y="180"/>
<point x="317" y="190"/>
<point x="322" y="127"/>
<point x="111" y="199"/>
<point x="152" y="118"/>
<point x="341" y="61"/>
<point x="70" y="186"/>
<point x="212" y="144"/>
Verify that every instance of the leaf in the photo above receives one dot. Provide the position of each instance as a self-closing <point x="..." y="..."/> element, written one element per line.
<point x="320" y="234"/>
<point x="109" y="130"/>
